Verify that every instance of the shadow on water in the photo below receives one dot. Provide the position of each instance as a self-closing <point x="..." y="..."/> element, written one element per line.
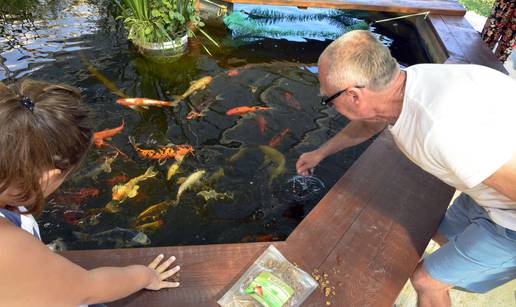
<point x="246" y="159"/>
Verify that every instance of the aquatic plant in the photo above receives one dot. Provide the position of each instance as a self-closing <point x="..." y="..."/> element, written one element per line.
<point x="158" y="21"/>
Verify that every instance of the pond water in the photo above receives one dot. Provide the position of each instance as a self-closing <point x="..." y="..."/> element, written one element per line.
<point x="245" y="161"/>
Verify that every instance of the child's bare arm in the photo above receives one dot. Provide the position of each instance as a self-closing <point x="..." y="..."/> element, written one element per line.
<point x="31" y="275"/>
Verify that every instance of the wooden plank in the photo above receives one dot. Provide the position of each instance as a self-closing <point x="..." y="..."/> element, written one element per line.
<point x="463" y="43"/>
<point x="471" y="44"/>
<point x="342" y="205"/>
<point x="443" y="7"/>
<point x="206" y="271"/>
<point x="376" y="255"/>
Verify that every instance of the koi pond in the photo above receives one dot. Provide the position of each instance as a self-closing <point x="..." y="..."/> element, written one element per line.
<point x="230" y="183"/>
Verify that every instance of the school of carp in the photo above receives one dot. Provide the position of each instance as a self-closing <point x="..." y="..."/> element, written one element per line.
<point x="124" y="188"/>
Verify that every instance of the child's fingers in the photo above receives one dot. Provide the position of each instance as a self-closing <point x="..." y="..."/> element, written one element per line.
<point x="169" y="273"/>
<point x="162" y="267"/>
<point x="156" y="261"/>
<point x="169" y="284"/>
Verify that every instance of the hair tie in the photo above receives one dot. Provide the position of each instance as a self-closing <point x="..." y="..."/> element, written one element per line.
<point x="26" y="102"/>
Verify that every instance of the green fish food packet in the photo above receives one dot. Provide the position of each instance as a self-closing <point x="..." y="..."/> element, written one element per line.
<point x="271" y="281"/>
<point x="269" y="290"/>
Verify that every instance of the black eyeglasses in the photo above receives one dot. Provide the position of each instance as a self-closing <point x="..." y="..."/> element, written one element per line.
<point x="327" y="101"/>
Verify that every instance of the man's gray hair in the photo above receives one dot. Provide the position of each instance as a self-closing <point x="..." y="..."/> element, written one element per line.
<point x="359" y="58"/>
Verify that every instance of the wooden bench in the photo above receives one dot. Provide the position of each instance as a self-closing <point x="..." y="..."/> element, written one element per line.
<point x="367" y="234"/>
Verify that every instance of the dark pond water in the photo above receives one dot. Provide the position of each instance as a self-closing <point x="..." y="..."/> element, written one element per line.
<point x="75" y="42"/>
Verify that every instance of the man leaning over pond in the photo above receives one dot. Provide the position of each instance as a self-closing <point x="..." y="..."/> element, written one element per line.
<point x="450" y="120"/>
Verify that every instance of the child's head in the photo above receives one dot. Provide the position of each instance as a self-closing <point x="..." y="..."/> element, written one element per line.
<point x="43" y="135"/>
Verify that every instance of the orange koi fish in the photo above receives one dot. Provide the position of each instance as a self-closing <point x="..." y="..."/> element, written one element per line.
<point x="163" y="152"/>
<point x="192" y="115"/>
<point x="278" y="138"/>
<point x="76" y="197"/>
<point x="233" y="72"/>
<point x="98" y="137"/>
<point x="144" y="102"/>
<point x="262" y="123"/>
<point x="291" y="101"/>
<point x="246" y="109"/>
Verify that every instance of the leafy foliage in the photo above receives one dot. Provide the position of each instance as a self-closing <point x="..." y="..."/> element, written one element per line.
<point x="156" y="21"/>
<point x="482" y="7"/>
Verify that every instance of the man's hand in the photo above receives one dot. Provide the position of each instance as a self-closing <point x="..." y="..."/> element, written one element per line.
<point x="307" y="161"/>
<point x="160" y="273"/>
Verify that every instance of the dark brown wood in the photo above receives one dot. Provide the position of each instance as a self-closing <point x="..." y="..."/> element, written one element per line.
<point x="205" y="270"/>
<point x="463" y="43"/>
<point x="443" y="7"/>
<point x="384" y="228"/>
<point x="367" y="233"/>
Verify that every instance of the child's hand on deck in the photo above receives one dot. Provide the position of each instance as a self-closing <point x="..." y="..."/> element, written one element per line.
<point x="161" y="273"/>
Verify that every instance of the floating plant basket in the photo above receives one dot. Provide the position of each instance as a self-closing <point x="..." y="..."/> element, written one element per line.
<point x="164" y="52"/>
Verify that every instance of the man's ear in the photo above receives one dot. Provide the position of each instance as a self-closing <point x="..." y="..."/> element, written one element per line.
<point x="356" y="94"/>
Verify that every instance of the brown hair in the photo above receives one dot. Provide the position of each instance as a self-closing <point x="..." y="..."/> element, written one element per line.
<point x="54" y="134"/>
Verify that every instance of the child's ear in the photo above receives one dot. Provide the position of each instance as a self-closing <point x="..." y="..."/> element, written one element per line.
<point x="49" y="175"/>
<point x="50" y="181"/>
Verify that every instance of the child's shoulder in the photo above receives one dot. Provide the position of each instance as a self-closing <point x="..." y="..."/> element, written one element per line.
<point x="23" y="221"/>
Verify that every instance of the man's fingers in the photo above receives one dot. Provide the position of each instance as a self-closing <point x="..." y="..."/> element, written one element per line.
<point x="156" y="261"/>
<point x="162" y="267"/>
<point x="169" y="273"/>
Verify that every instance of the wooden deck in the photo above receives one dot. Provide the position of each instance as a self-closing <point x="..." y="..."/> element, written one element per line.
<point x="367" y="233"/>
<point x="444" y="7"/>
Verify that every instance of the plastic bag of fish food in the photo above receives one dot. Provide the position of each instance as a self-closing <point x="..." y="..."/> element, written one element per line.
<point x="272" y="281"/>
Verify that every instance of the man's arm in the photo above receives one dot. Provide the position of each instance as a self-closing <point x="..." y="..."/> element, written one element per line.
<point x="354" y="133"/>
<point x="504" y="179"/>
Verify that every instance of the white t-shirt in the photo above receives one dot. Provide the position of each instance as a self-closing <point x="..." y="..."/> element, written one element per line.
<point x="458" y="122"/>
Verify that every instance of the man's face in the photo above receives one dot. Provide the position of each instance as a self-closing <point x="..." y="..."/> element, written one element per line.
<point x="345" y="103"/>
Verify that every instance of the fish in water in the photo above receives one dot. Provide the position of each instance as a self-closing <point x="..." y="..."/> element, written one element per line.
<point x="145" y="103"/>
<point x="163" y="152"/>
<point x="276" y="157"/>
<point x="233" y="72"/>
<point x="212" y="194"/>
<point x="105" y="167"/>
<point x="278" y="138"/>
<point x="174" y="167"/>
<point x="194" y="87"/>
<point x="193" y="114"/>
<point x="215" y="176"/>
<point x="262" y="123"/>
<point x="117" y="179"/>
<point x="129" y="190"/>
<point x="292" y="102"/>
<point x="76" y="197"/>
<point x="245" y="109"/>
<point x="241" y="151"/>
<point x="97" y="74"/>
<point x="98" y="137"/>
<point x="154" y="212"/>
<point x="189" y="182"/>
<point x="120" y="237"/>
<point x="152" y="226"/>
